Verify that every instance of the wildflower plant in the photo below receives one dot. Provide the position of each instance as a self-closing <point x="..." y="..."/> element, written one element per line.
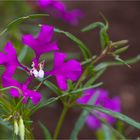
<point x="75" y="83"/>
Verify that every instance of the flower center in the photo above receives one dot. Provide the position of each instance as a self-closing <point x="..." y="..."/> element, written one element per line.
<point x="38" y="72"/>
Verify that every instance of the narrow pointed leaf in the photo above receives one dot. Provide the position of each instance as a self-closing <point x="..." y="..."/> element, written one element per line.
<point x="114" y="114"/>
<point x="117" y="133"/>
<point x="20" y="20"/>
<point x="121" y="50"/>
<point x="88" y="60"/>
<point x="45" y="131"/>
<point x="85" y="88"/>
<point x="95" y="77"/>
<point x="82" y="118"/>
<point x="122" y="61"/>
<point x="47" y="102"/>
<point x="119" y="44"/>
<point x="113" y="63"/>
<point x="81" y="45"/>
<point x="51" y="86"/>
<point x="107" y="132"/>
<point x="104" y="38"/>
<point x="93" y="26"/>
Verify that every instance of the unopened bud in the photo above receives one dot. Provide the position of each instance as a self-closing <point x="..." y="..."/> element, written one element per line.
<point x="120" y="43"/>
<point x="21" y="129"/>
<point x="16" y="129"/>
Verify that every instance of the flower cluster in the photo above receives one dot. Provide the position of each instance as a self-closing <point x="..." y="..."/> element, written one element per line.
<point x="103" y="100"/>
<point x="58" y="9"/>
<point x="63" y="71"/>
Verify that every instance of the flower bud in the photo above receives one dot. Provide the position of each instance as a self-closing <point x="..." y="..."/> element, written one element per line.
<point x="16" y="129"/>
<point x="21" y="129"/>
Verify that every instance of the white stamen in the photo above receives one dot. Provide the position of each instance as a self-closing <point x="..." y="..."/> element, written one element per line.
<point x="41" y="73"/>
<point x="35" y="72"/>
<point x="38" y="73"/>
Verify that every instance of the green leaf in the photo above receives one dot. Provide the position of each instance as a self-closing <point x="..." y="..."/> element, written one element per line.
<point x="6" y="107"/>
<point x="47" y="102"/>
<point x="93" y="26"/>
<point x="119" y="44"/>
<point x="117" y="115"/>
<point x="107" y="132"/>
<point x="121" y="50"/>
<point x="113" y="63"/>
<point x="19" y="104"/>
<point x="81" y="120"/>
<point x="111" y="129"/>
<point x="104" y="38"/>
<point x="85" y="88"/>
<point x="51" y="86"/>
<point x="23" y="53"/>
<point x="45" y="131"/>
<point x="115" y="132"/>
<point x="122" y="61"/>
<point x="53" y="99"/>
<point x="20" y="20"/>
<point x="95" y="77"/>
<point x="88" y="60"/>
<point x="81" y="45"/>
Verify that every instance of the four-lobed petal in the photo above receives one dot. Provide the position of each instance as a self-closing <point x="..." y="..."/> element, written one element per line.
<point x="63" y="71"/>
<point x="42" y="44"/>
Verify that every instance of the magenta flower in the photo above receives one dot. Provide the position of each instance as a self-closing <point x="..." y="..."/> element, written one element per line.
<point x="103" y="100"/>
<point x="70" y="70"/>
<point x="63" y="71"/>
<point x="40" y="45"/>
<point x="9" y="59"/>
<point x="26" y="93"/>
<point x="58" y="9"/>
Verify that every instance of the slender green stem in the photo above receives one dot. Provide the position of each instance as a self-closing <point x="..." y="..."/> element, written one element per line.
<point x="14" y="136"/>
<point x="41" y="82"/>
<point x="60" y="121"/>
<point x="103" y="54"/>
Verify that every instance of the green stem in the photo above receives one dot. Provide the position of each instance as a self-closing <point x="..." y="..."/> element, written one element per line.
<point x="82" y="77"/>
<point x="14" y="136"/>
<point x="60" y="121"/>
<point x="41" y="82"/>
